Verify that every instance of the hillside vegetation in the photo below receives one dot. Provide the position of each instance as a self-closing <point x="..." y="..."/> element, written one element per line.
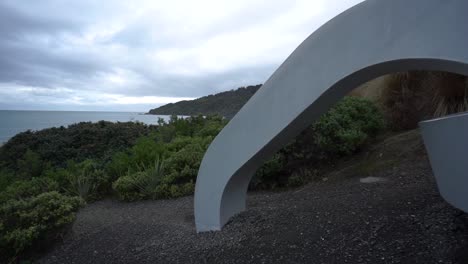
<point x="406" y="98"/>
<point x="225" y="104"/>
<point x="401" y="218"/>
<point x="46" y="176"/>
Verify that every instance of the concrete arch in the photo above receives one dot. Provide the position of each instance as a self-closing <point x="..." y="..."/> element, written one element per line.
<point x="371" y="39"/>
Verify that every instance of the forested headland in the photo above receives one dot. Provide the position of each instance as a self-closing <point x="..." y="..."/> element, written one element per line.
<point x="225" y="104"/>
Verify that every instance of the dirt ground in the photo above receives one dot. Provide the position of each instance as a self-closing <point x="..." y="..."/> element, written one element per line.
<point x="396" y="217"/>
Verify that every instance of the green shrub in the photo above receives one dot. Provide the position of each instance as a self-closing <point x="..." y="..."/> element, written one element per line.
<point x="179" y="143"/>
<point x="347" y="126"/>
<point x="164" y="190"/>
<point x="86" y="180"/>
<point x="341" y="131"/>
<point x="182" y="190"/>
<point x="211" y="128"/>
<point x="76" y="142"/>
<point x="150" y="178"/>
<point x="268" y="176"/>
<point x="182" y="166"/>
<point x="56" y="162"/>
<point x="126" y="188"/>
<point x="141" y="184"/>
<point x="30" y="165"/>
<point x="300" y="177"/>
<point x="146" y="151"/>
<point x="27" y="189"/>
<point x="25" y="222"/>
<point x="175" y="179"/>
<point x="142" y="154"/>
<point x="195" y="126"/>
<point x="119" y="165"/>
<point x="6" y="178"/>
<point x="59" y="175"/>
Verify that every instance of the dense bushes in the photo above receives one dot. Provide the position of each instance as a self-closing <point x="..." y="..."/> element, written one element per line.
<point x="44" y="178"/>
<point x="154" y="183"/>
<point x="406" y="98"/>
<point x="182" y="165"/>
<point x="268" y="176"/>
<point x="126" y="187"/>
<point x="30" y="211"/>
<point x="26" y="222"/>
<point x="46" y="175"/>
<point x="142" y="154"/>
<point x="77" y="142"/>
<point x="141" y="184"/>
<point x="347" y="126"/>
<point x="178" y="145"/>
<point x="340" y="132"/>
<point x="6" y="178"/>
<point x="85" y="180"/>
<point x="25" y="189"/>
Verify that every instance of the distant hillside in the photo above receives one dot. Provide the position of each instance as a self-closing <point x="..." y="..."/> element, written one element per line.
<point x="226" y="104"/>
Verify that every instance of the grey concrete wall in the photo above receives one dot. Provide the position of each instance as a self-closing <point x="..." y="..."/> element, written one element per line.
<point x="374" y="38"/>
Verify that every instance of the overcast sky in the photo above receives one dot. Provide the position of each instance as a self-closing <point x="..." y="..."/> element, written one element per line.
<point x="122" y="55"/>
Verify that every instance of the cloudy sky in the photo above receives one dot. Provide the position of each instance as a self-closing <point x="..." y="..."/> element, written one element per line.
<point x="121" y="55"/>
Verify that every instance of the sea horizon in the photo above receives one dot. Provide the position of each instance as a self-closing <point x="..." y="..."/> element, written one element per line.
<point x="13" y="122"/>
<point x="93" y="111"/>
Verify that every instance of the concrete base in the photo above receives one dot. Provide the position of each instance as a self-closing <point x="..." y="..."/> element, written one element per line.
<point x="446" y="141"/>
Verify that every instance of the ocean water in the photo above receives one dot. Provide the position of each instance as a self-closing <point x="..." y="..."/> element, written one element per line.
<point x="14" y="122"/>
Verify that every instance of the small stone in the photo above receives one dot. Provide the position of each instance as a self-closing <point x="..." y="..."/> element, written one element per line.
<point x="372" y="180"/>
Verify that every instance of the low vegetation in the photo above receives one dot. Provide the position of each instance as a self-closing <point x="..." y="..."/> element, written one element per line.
<point x="46" y="176"/>
<point x="341" y="132"/>
<point x="406" y="98"/>
<point x="34" y="220"/>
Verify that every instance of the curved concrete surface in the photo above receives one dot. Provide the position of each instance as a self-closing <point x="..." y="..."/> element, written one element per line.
<point x="447" y="146"/>
<point x="371" y="39"/>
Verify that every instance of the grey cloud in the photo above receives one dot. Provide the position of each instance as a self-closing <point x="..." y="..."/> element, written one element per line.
<point x="197" y="86"/>
<point x="40" y="47"/>
<point x="31" y="65"/>
<point x="14" y="23"/>
<point x="25" y="60"/>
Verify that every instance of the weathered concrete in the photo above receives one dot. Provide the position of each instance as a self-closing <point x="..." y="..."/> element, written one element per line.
<point x="374" y="38"/>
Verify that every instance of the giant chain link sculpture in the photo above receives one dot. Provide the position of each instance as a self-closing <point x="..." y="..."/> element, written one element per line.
<point x="374" y="38"/>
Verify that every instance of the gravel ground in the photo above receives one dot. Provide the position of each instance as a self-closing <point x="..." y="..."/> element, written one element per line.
<point x="400" y="219"/>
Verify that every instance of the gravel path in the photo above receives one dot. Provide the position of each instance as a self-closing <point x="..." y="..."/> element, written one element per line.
<point x="401" y="219"/>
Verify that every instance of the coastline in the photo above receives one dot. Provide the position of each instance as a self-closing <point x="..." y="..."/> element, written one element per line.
<point x="18" y="121"/>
